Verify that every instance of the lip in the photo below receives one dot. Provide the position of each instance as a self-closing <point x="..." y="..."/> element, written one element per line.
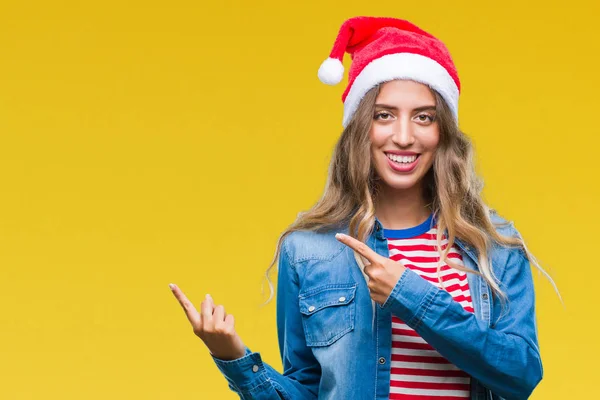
<point x="401" y="153"/>
<point x="403" y="167"/>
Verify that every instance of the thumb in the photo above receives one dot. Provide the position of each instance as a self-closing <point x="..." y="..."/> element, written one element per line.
<point x="237" y="343"/>
<point x="229" y="321"/>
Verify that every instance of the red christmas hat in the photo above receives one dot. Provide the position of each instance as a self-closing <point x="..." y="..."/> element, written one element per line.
<point x="384" y="49"/>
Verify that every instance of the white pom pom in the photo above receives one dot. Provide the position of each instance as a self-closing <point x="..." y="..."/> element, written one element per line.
<point x="331" y="71"/>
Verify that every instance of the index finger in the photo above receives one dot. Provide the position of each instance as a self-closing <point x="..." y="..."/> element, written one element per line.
<point x="190" y="311"/>
<point x="359" y="247"/>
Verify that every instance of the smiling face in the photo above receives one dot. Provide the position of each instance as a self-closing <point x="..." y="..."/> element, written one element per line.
<point x="404" y="134"/>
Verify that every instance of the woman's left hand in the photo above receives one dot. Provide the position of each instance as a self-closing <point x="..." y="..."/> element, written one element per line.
<point x="383" y="272"/>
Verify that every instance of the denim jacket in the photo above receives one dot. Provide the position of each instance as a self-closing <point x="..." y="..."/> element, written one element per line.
<point x="335" y="345"/>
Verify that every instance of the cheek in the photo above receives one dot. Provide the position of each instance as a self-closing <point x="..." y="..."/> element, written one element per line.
<point x="430" y="140"/>
<point x="378" y="135"/>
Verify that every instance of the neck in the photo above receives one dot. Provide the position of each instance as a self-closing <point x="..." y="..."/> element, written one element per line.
<point x="401" y="209"/>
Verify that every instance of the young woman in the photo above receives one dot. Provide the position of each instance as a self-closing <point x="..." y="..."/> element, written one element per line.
<point x="399" y="283"/>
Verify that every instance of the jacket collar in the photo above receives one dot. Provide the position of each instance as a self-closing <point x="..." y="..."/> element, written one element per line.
<point x="378" y="230"/>
<point x="467" y="249"/>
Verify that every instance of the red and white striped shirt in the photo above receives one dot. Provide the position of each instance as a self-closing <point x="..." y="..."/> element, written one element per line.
<point x="418" y="371"/>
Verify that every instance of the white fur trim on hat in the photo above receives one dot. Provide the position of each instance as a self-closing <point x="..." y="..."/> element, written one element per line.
<point x="409" y="66"/>
<point x="331" y="71"/>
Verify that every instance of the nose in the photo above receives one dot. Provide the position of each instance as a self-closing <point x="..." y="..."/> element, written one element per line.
<point x="403" y="134"/>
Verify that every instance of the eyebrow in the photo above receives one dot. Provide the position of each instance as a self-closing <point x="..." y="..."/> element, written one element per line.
<point x="422" y="108"/>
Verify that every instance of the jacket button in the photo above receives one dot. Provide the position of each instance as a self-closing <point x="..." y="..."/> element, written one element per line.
<point x="377" y="228"/>
<point x="311" y="308"/>
<point x="381" y="360"/>
<point x="255" y="368"/>
<point x="342" y="299"/>
<point x="484" y="296"/>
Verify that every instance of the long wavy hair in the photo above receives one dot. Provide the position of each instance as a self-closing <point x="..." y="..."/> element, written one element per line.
<point x="452" y="190"/>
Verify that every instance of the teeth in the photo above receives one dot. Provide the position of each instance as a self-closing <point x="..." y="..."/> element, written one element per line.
<point x="402" y="159"/>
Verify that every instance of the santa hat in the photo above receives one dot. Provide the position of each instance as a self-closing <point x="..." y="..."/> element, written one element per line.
<point x="384" y="49"/>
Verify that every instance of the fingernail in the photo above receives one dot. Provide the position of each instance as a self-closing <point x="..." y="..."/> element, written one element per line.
<point x="338" y="235"/>
<point x="171" y="286"/>
<point x="208" y="296"/>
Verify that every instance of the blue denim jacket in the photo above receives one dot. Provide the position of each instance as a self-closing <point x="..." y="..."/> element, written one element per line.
<point x="334" y="349"/>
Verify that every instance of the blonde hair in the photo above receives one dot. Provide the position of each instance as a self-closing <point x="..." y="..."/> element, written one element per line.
<point x="452" y="189"/>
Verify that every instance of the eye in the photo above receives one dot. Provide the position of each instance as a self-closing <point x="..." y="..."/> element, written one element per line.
<point x="425" y="118"/>
<point x="383" y="115"/>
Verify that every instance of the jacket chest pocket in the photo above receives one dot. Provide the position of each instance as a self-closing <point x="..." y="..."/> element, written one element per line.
<point x="327" y="313"/>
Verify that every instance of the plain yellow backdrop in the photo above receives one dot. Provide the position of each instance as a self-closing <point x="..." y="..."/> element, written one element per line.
<point x="143" y="143"/>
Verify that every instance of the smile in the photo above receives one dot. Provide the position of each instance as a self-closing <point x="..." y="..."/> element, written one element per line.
<point x="402" y="159"/>
<point x="403" y="163"/>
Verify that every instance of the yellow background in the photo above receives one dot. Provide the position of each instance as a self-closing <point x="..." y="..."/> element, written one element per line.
<point x="147" y="142"/>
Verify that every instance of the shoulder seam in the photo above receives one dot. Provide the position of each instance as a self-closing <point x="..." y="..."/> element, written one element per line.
<point x="313" y="257"/>
<point x="294" y="261"/>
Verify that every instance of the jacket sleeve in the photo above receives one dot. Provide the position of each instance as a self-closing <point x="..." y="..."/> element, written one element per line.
<point x="252" y="379"/>
<point x="505" y="358"/>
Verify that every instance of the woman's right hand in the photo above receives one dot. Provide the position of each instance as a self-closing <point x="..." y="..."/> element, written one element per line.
<point x="213" y="326"/>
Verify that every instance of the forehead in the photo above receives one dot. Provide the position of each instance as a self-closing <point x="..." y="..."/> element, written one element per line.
<point x="405" y="93"/>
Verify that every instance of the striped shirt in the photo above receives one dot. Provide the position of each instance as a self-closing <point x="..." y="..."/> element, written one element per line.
<point x="418" y="371"/>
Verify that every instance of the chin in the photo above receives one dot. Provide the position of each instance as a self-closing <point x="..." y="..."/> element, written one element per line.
<point x="401" y="184"/>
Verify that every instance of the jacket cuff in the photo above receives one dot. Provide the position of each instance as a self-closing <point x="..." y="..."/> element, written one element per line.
<point x="410" y="298"/>
<point x="243" y="373"/>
